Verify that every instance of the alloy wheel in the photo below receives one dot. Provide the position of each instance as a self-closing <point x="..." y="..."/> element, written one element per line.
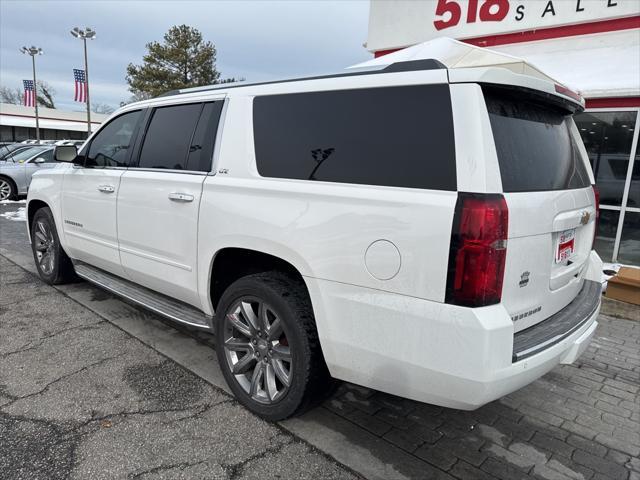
<point x="5" y="189"/>
<point x="257" y="350"/>
<point x="44" y="245"/>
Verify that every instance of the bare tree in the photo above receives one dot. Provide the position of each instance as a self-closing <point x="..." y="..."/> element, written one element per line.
<point x="102" y="108"/>
<point x="136" y="97"/>
<point x="15" y="96"/>
<point x="11" y="95"/>
<point x="45" y="95"/>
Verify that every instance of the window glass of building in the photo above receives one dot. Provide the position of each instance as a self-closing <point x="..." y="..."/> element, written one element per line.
<point x="607" y="136"/>
<point x="168" y="138"/>
<point x="606" y="235"/>
<point x="629" y="251"/>
<point x="111" y="145"/>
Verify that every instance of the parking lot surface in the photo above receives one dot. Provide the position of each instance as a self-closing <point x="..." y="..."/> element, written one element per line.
<point x="92" y="387"/>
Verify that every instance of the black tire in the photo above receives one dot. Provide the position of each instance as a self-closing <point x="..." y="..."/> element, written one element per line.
<point x="310" y="380"/>
<point x="13" y="190"/>
<point x="61" y="270"/>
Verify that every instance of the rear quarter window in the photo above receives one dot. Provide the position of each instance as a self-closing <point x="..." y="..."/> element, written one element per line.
<point x="394" y="136"/>
<point x="535" y="147"/>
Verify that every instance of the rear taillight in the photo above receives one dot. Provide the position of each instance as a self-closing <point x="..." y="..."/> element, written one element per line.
<point x="596" y="194"/>
<point x="478" y="250"/>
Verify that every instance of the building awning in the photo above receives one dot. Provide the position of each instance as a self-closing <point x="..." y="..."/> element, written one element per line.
<point x="30" y="122"/>
<point x="602" y="65"/>
<point x="51" y="118"/>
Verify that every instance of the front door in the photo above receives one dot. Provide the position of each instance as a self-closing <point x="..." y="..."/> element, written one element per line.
<point x="90" y="191"/>
<point x="159" y="201"/>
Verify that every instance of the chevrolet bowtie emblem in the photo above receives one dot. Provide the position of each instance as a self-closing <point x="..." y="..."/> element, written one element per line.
<point x="585" y="218"/>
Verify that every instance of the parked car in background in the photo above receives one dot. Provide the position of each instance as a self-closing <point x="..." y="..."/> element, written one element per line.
<point x="15" y="174"/>
<point x="11" y="148"/>
<point x="77" y="143"/>
<point x="39" y="142"/>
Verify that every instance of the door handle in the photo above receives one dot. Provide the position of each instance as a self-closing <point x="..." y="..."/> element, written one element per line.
<point x="180" y="197"/>
<point x="106" y="188"/>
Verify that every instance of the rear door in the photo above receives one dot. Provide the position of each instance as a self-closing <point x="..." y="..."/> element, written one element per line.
<point x="159" y="199"/>
<point x="547" y="187"/>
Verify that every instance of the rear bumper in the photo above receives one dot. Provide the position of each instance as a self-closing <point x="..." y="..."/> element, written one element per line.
<point x="543" y="335"/>
<point x="432" y="352"/>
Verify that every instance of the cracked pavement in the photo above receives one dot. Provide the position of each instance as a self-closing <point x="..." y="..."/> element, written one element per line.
<point x="81" y="398"/>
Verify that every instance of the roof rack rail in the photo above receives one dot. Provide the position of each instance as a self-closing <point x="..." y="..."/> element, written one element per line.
<point x="407" y="66"/>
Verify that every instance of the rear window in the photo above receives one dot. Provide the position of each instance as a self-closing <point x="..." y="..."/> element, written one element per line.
<point x="536" y="150"/>
<point x="397" y="136"/>
<point x="166" y="143"/>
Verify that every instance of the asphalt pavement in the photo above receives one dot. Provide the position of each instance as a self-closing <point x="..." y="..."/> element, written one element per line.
<point x="81" y="398"/>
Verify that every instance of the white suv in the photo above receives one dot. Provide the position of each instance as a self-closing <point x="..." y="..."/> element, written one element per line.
<point x="417" y="232"/>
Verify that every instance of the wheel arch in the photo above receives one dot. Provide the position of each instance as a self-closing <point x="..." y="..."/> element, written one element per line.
<point x="231" y="263"/>
<point x="32" y="207"/>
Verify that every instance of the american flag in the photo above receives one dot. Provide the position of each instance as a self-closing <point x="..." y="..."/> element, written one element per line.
<point x="29" y="93"/>
<point x="81" y="85"/>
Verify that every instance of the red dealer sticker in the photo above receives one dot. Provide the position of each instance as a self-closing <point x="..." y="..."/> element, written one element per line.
<point x="566" y="245"/>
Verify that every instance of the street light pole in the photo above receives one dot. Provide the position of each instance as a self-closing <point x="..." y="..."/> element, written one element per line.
<point x="86" y="74"/>
<point x="83" y="35"/>
<point x="33" y="51"/>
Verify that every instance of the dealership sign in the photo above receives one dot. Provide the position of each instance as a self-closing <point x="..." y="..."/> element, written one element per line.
<point x="401" y="23"/>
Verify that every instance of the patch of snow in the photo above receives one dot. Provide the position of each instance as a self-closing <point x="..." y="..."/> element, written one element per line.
<point x="2" y="202"/>
<point x="19" y="215"/>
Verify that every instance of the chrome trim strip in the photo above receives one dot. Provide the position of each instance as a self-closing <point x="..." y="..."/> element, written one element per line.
<point x="167" y="170"/>
<point x="104" y="243"/>
<point x="171" y="263"/>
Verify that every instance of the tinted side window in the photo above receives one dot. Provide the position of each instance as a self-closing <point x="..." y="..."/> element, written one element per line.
<point x="111" y="145"/>
<point x="397" y="136"/>
<point x="201" y="149"/>
<point x="168" y="137"/>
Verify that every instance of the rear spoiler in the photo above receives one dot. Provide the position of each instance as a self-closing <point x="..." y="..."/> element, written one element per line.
<point x="517" y="93"/>
<point x="554" y="92"/>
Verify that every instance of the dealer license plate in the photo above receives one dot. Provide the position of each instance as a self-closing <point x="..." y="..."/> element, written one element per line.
<point x="565" y="245"/>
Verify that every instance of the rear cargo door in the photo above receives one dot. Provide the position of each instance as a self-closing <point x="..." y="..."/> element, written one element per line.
<point x="547" y="187"/>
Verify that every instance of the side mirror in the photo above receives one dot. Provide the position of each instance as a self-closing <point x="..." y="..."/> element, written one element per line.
<point x="65" y="153"/>
<point x="39" y="160"/>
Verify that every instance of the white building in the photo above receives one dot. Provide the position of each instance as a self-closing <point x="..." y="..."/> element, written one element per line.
<point x="18" y="123"/>
<point x="592" y="46"/>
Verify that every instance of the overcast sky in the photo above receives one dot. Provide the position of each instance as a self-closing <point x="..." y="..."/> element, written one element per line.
<point x="257" y="40"/>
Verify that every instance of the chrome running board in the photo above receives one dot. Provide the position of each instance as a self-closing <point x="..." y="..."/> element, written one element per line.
<point x="156" y="302"/>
